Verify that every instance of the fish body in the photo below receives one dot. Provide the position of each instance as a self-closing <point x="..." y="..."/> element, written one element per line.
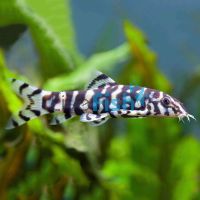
<point x="103" y="99"/>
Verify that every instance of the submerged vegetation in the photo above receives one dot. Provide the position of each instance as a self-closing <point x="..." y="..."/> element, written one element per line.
<point x="125" y="158"/>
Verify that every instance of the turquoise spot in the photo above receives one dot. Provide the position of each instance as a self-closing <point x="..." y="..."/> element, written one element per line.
<point x="140" y="95"/>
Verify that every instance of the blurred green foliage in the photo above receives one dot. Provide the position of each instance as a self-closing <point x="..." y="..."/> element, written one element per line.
<point x="123" y="159"/>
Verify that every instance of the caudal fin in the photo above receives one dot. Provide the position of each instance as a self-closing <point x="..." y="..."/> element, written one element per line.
<point x="32" y="97"/>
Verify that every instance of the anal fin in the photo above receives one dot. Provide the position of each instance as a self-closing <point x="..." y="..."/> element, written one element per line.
<point x="60" y="118"/>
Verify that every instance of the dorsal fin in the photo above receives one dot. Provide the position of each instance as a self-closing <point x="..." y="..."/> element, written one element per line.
<point x="100" y="80"/>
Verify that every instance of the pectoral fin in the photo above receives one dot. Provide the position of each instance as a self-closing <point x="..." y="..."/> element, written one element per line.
<point x="89" y="117"/>
<point x="99" y="122"/>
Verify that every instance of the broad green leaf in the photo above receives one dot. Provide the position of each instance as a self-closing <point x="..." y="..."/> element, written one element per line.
<point x="12" y="102"/>
<point x="51" y="28"/>
<point x="79" y="77"/>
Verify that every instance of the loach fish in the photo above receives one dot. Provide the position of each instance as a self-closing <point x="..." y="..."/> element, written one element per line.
<point x="103" y="99"/>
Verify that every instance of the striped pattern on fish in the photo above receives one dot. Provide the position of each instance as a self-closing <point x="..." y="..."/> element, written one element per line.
<point x="103" y="99"/>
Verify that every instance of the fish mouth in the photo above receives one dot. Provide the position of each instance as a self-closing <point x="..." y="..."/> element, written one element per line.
<point x="186" y="115"/>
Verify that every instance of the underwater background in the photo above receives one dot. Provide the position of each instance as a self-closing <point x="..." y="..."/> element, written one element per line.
<point x="56" y="45"/>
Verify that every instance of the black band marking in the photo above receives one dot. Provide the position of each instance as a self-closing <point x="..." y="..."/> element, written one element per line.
<point x="56" y="100"/>
<point x="78" y="101"/>
<point x="23" y="117"/>
<point x="67" y="109"/>
<point x="97" y="79"/>
<point x="67" y="116"/>
<point x="15" y="124"/>
<point x="22" y="87"/>
<point x="36" y="112"/>
<point x="53" y="98"/>
<point x="38" y="91"/>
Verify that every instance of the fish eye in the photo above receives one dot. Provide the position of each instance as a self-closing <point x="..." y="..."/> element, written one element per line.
<point x="166" y="101"/>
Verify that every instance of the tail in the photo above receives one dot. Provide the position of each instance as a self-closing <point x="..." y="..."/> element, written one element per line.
<point x="32" y="97"/>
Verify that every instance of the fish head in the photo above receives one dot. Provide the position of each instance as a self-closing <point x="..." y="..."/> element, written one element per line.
<point x="164" y="105"/>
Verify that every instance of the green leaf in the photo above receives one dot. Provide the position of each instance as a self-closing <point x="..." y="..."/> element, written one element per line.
<point x="55" y="41"/>
<point x="12" y="102"/>
<point x="185" y="169"/>
<point x="101" y="61"/>
<point x="145" y="60"/>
